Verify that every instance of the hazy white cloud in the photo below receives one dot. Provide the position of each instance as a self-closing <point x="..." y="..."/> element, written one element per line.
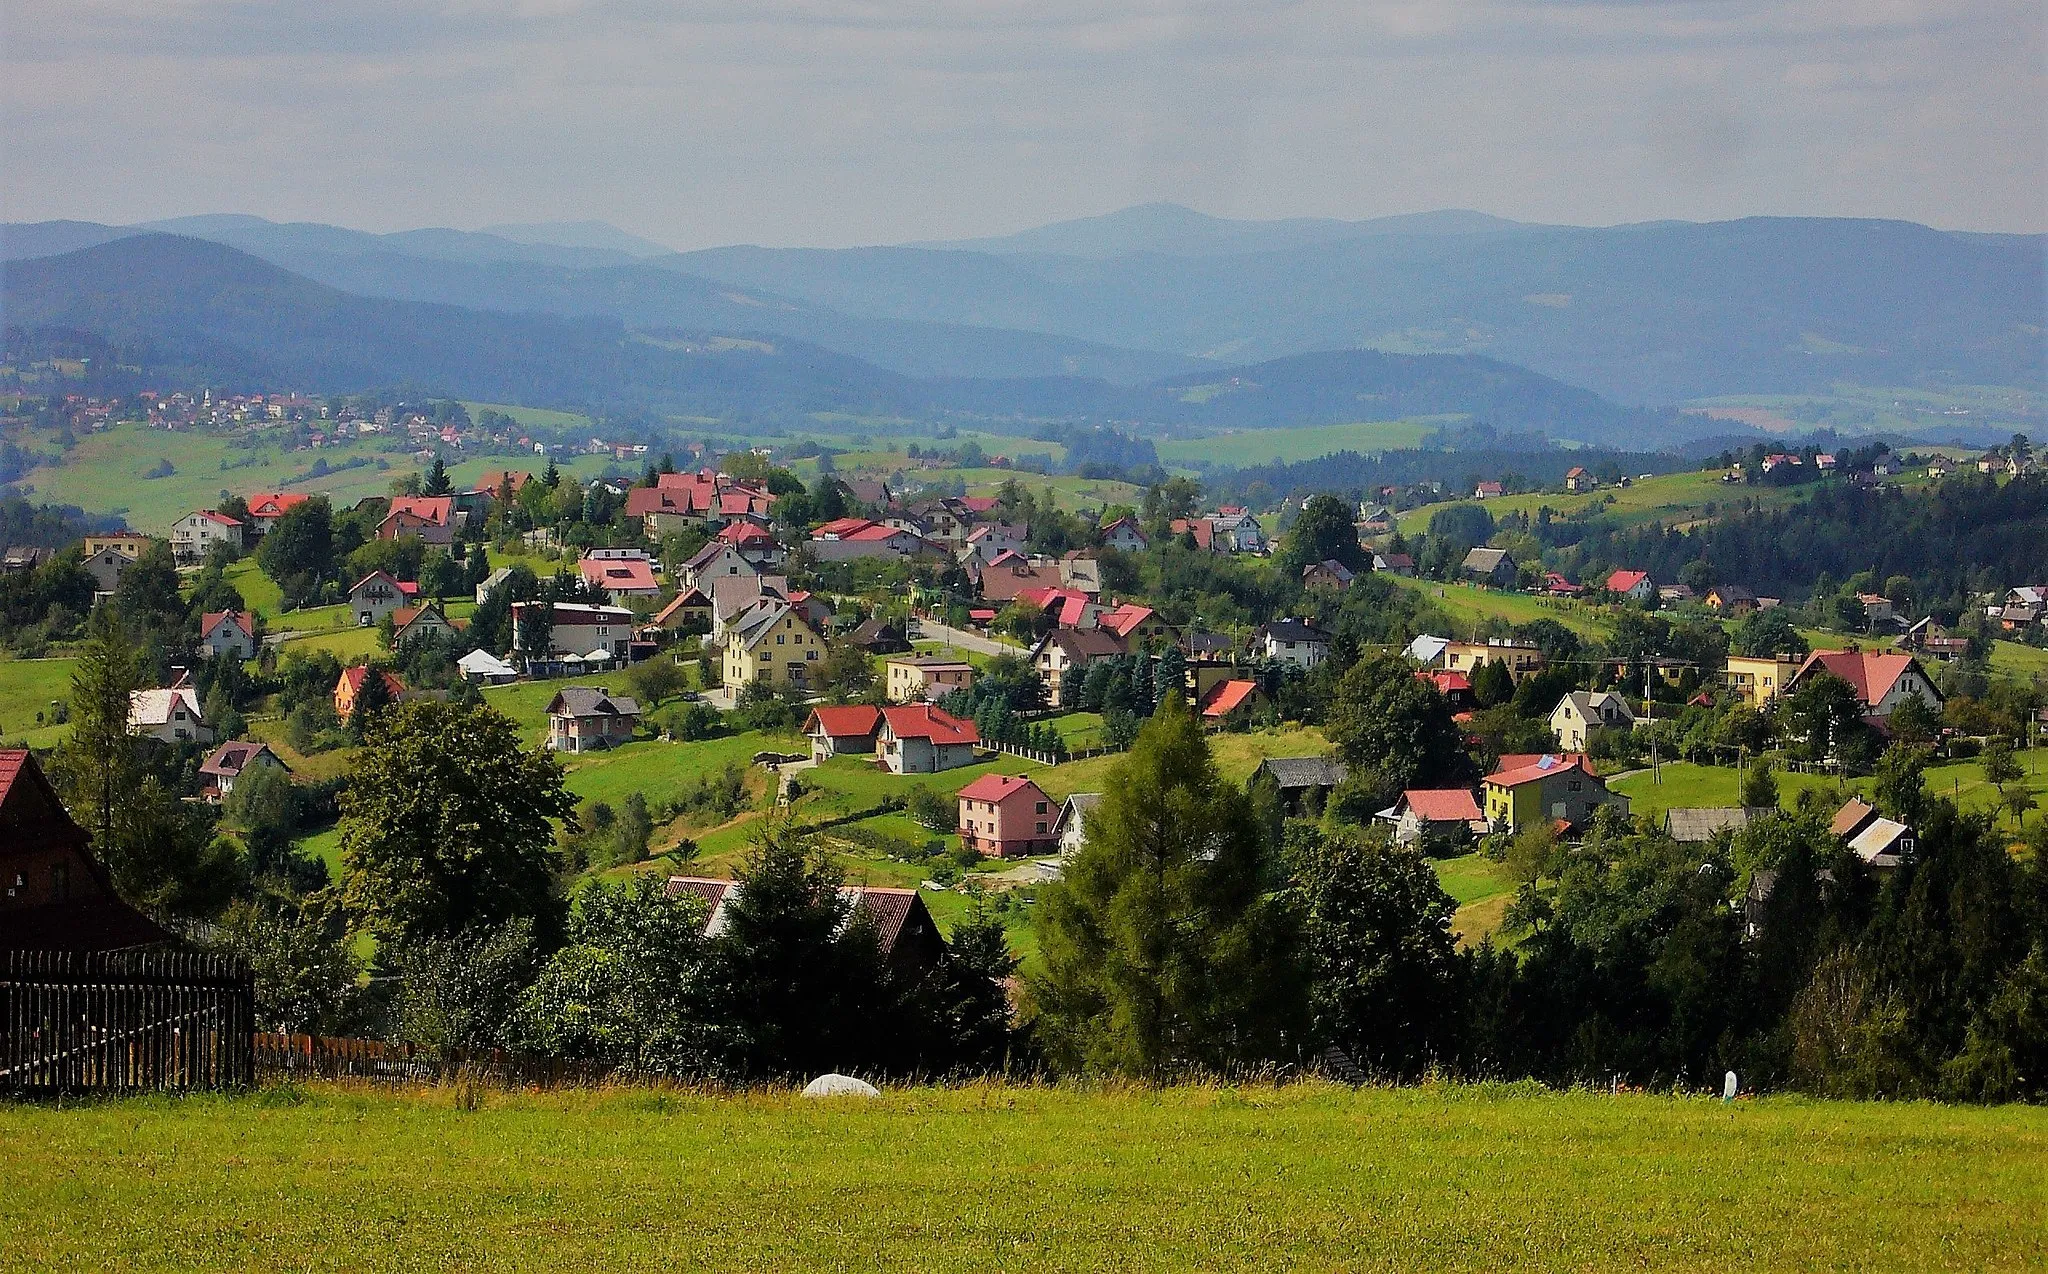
<point x="807" y="121"/>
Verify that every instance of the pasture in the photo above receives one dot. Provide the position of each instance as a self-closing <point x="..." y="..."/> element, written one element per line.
<point x="1003" y="1177"/>
<point x="29" y="687"/>
<point x="1243" y="448"/>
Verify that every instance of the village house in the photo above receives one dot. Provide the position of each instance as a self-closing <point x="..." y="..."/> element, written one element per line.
<point x="415" y="623"/>
<point x="1231" y="704"/>
<point x="1292" y="642"/>
<point x="772" y="643"/>
<point x="1125" y="536"/>
<point x="1200" y="531"/>
<point x="1560" y="790"/>
<point x="1328" y="573"/>
<point x="1881" y="844"/>
<point x="1487" y="491"/>
<point x="195" y="534"/>
<point x="1581" y="712"/>
<point x="1402" y="564"/>
<point x="575" y="628"/>
<point x="1759" y="679"/>
<point x="1636" y="586"/>
<point x="1435" y="816"/>
<point x="876" y="636"/>
<point x="1006" y="817"/>
<point x="217" y="774"/>
<point x="106" y="568"/>
<point x="620" y="577"/>
<point x="689" y="611"/>
<point x="1523" y="658"/>
<point x="433" y="518"/>
<point x="920" y="739"/>
<point x="1238" y="531"/>
<point x="1494" y="567"/>
<point x="843" y="731"/>
<point x="1576" y="479"/>
<point x="491" y="583"/>
<point x="590" y="719"/>
<point x="925" y="678"/>
<point x="1881" y="680"/>
<point x="228" y="632"/>
<point x="1303" y="782"/>
<point x="349" y="687"/>
<point x="1731" y="599"/>
<point x="1067" y="652"/>
<point x="58" y="897"/>
<point x="170" y="715"/>
<point x="1375" y="519"/>
<point x="903" y="927"/>
<point x="266" y="507"/>
<point x="129" y="544"/>
<point x="1072" y="828"/>
<point x="756" y="543"/>
<point x="376" y="595"/>
<point x="716" y="560"/>
<point x="1138" y="627"/>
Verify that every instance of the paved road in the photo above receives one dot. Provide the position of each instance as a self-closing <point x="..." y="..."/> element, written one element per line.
<point x="932" y="630"/>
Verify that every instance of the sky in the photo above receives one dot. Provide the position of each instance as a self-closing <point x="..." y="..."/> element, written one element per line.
<point x="815" y="123"/>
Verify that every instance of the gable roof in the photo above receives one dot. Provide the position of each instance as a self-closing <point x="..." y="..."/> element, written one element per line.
<point x="894" y="911"/>
<point x="922" y="721"/>
<point x="1542" y="767"/>
<point x="240" y="619"/>
<point x="354" y="677"/>
<point x="1851" y="817"/>
<point x="213" y="515"/>
<point x="1125" y="619"/>
<point x="1293" y="630"/>
<point x="1226" y="697"/>
<point x="1443" y="805"/>
<point x="1080" y="645"/>
<point x="1695" y="826"/>
<point x="1292" y="773"/>
<point x="1623" y="581"/>
<point x="435" y="510"/>
<point x="1871" y="674"/>
<point x="230" y="759"/>
<point x="1202" y="529"/>
<point x="1486" y="561"/>
<point x="591" y="701"/>
<point x="688" y="599"/>
<point x="1000" y="787"/>
<point x="854" y="721"/>
<point x="629" y="575"/>
<point x="274" y="504"/>
<point x="153" y="707"/>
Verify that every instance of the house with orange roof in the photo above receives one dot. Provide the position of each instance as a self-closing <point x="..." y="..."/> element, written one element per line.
<point x="1231" y="704"/>
<point x="433" y="518"/>
<point x="266" y="507"/>
<point x="228" y="632"/>
<point x="1005" y="816"/>
<point x="1138" y="627"/>
<point x="350" y="686"/>
<point x="920" y="739"/>
<point x="620" y="577"/>
<point x="1882" y="680"/>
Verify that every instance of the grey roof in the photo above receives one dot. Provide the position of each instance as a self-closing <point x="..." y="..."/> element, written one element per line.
<point x="1293" y="630"/>
<point x="591" y="701"/>
<point x="1295" y="772"/>
<point x="1487" y="561"/>
<point x="1698" y="825"/>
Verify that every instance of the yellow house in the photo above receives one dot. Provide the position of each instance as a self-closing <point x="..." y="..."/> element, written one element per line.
<point x="926" y="678"/>
<point x="1759" y="680"/>
<point x="1523" y="659"/>
<point x="128" y="544"/>
<point x="1549" y="789"/>
<point x="771" y="642"/>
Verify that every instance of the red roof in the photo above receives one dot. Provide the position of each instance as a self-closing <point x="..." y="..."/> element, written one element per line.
<point x="1125" y="619"/>
<point x="1623" y="581"/>
<point x="856" y="720"/>
<point x="1226" y="697"/>
<point x="1543" y="768"/>
<point x="354" y="678"/>
<point x="840" y="527"/>
<point x="1870" y="674"/>
<point x="1443" y="805"/>
<point x="222" y="518"/>
<point x="275" y="504"/>
<point x="1445" y="682"/>
<point x="626" y="574"/>
<point x="979" y="503"/>
<point x="242" y="621"/>
<point x="922" y="721"/>
<point x="11" y="762"/>
<point x="492" y="483"/>
<point x="432" y="509"/>
<point x="1521" y="760"/>
<point x="743" y="533"/>
<point x="1202" y="529"/>
<point x="996" y="788"/>
<point x="641" y="501"/>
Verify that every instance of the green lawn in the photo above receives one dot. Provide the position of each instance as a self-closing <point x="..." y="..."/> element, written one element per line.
<point x="1689" y="786"/>
<point x="1242" y="448"/>
<point x="2027" y="663"/>
<point x="1671" y="497"/>
<point x="346" y="644"/>
<point x="993" y="1177"/>
<point x="659" y="770"/>
<point x="1470" y="607"/>
<point x="103" y="473"/>
<point x="27" y="687"/>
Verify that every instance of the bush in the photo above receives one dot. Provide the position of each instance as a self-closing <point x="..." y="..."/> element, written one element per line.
<point x="932" y="810"/>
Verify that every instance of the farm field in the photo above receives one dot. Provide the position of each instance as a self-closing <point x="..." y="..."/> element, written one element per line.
<point x="1243" y="448"/>
<point x="27" y="687"/>
<point x="1689" y="786"/>
<point x="103" y="473"/>
<point x="1672" y="497"/>
<point x="1470" y="607"/>
<point x="996" y="1177"/>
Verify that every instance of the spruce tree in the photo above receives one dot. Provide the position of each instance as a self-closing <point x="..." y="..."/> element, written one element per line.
<point x="98" y="763"/>
<point x="1161" y="951"/>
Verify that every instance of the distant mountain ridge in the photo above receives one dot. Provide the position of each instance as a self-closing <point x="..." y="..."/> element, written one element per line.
<point x="1170" y="229"/>
<point x="204" y="306"/>
<point x="579" y="234"/>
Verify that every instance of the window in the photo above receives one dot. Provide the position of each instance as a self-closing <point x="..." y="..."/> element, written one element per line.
<point x="1041" y="807"/>
<point x="1041" y="829"/>
<point x="1576" y="785"/>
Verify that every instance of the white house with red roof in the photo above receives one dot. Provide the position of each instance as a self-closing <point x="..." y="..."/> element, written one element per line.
<point x="171" y="715"/>
<point x="376" y="595"/>
<point x="1882" y="680"/>
<point x="228" y="632"/>
<point x="842" y="731"/>
<point x="1637" y="586"/>
<point x="920" y="739"/>
<point x="1004" y="816"/>
<point x="266" y="507"/>
<point x="1450" y="813"/>
<point x="197" y="532"/>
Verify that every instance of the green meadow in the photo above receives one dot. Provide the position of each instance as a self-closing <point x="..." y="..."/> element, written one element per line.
<point x="1310" y="1176"/>
<point x="1243" y="448"/>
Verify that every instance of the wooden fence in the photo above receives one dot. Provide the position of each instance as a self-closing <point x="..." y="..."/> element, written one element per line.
<point x="86" y="1021"/>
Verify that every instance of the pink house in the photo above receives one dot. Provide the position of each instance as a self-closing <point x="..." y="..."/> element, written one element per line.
<point x="1002" y="816"/>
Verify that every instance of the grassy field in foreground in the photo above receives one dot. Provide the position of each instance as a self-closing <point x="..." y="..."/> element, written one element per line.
<point x="1004" y="1178"/>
